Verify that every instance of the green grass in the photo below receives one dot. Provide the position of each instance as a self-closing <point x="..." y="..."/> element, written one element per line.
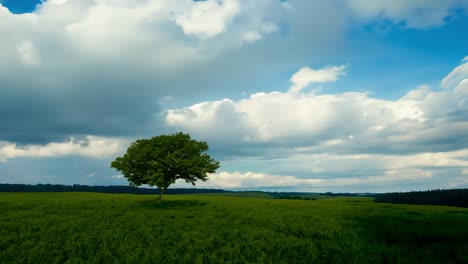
<point x="108" y="228"/>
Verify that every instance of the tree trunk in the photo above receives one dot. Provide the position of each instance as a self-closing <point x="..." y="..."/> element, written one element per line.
<point x="160" y="195"/>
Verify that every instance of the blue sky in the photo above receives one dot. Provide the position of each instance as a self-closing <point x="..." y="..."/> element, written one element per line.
<point x="291" y="95"/>
<point x="20" y="7"/>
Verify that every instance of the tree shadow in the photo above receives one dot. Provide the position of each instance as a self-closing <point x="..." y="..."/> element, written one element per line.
<point x="171" y="204"/>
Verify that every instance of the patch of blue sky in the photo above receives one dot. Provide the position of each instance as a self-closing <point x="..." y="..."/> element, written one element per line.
<point x="20" y="6"/>
<point x="390" y="63"/>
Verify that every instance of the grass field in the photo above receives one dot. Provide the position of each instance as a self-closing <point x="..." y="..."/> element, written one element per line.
<point x="109" y="228"/>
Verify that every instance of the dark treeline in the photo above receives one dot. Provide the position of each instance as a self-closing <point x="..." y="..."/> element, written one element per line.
<point x="101" y="189"/>
<point x="454" y="197"/>
<point x="294" y="197"/>
<point x="291" y="195"/>
<point x="306" y="195"/>
<point x="346" y="194"/>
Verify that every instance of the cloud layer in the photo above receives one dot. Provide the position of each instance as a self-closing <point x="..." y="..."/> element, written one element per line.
<point x="89" y="146"/>
<point x="102" y="67"/>
<point x="419" y="136"/>
<point x="81" y="79"/>
<point x="306" y="76"/>
<point x="75" y="68"/>
<point x="422" y="120"/>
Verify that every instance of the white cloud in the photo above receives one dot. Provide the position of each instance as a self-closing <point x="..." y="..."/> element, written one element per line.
<point x="417" y="94"/>
<point x="459" y="74"/>
<point x="101" y="67"/>
<point x="306" y="76"/>
<point x="206" y="19"/>
<point x="57" y="2"/>
<point x="28" y="53"/>
<point x="278" y="117"/>
<point x="404" y="165"/>
<point x="345" y="172"/>
<point x="251" y="179"/>
<point x="417" y="141"/>
<point x="264" y="28"/>
<point x="96" y="27"/>
<point x="265" y="181"/>
<point x="419" y="122"/>
<point x="252" y="36"/>
<point x="465" y="172"/>
<point x="91" y="146"/>
<point x="161" y="31"/>
<point x="118" y="58"/>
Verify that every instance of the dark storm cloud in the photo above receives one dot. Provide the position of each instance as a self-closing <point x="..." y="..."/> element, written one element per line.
<point x="104" y="105"/>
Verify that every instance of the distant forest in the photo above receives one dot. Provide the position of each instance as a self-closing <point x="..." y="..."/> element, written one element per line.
<point x="314" y="196"/>
<point x="100" y="189"/>
<point x="454" y="197"/>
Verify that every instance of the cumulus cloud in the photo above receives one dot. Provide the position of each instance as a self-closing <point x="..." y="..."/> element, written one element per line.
<point x="251" y="36"/>
<point x="422" y="120"/>
<point x="28" y="53"/>
<point x="322" y="172"/>
<point x="101" y="68"/>
<point x="331" y="165"/>
<point x="90" y="146"/>
<point x="271" y="116"/>
<point x="209" y="18"/>
<point x="306" y="76"/>
<point x="325" y="136"/>
<point x="250" y="179"/>
<point x="459" y="74"/>
<point x="386" y="180"/>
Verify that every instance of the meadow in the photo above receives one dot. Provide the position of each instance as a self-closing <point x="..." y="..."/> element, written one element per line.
<point x="126" y="228"/>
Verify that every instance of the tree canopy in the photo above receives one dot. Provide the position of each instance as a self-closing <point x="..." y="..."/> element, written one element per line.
<point x="161" y="160"/>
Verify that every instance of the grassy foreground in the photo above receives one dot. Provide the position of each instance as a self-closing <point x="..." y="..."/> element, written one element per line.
<point x="110" y="228"/>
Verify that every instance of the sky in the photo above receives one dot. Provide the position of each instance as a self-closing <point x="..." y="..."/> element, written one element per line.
<point x="306" y="95"/>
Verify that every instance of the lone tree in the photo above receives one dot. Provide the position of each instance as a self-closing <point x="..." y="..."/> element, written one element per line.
<point x="161" y="160"/>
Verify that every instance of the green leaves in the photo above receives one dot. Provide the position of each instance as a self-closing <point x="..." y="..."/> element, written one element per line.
<point x="161" y="160"/>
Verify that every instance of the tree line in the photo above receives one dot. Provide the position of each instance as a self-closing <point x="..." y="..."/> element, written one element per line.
<point x="294" y="197"/>
<point x="100" y="189"/>
<point x="453" y="197"/>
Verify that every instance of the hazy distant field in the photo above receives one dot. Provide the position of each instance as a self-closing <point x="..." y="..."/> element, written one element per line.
<point x="109" y="228"/>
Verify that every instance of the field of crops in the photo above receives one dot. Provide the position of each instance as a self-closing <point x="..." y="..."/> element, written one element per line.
<point x="120" y="228"/>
